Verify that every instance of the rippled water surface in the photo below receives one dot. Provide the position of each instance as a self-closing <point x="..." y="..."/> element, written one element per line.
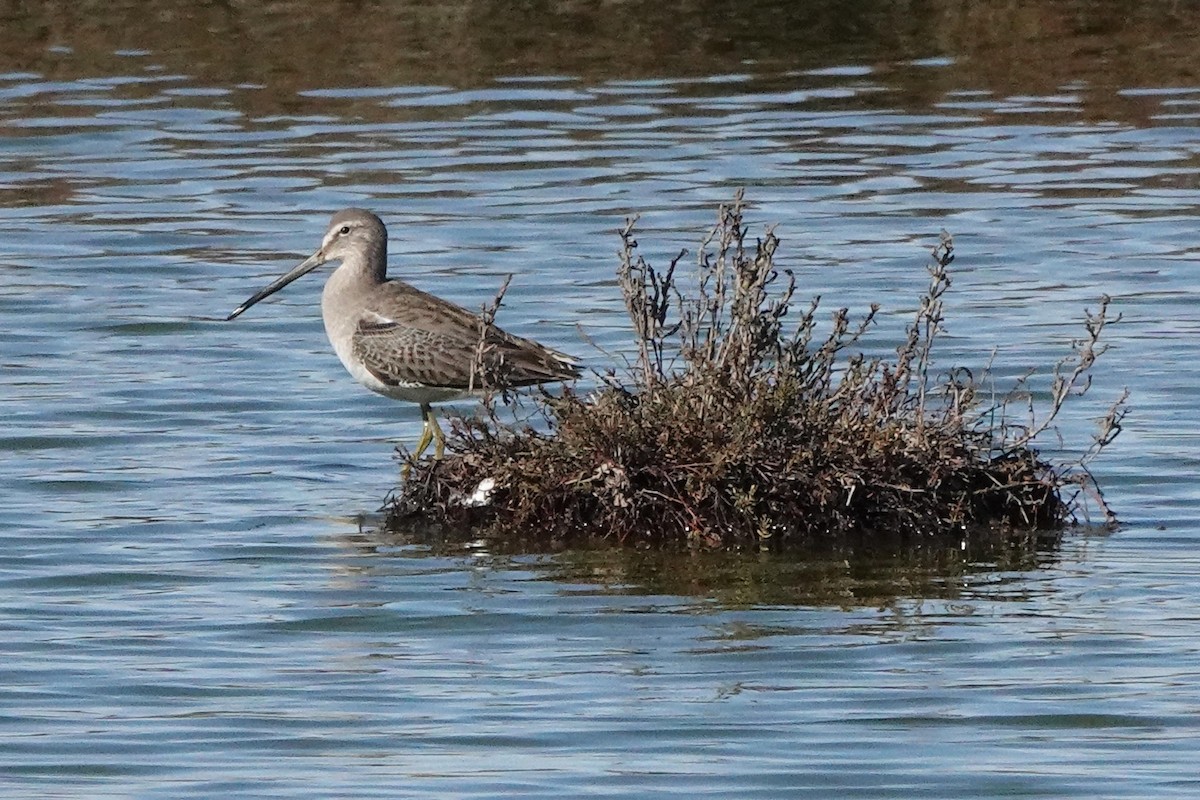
<point x="194" y="601"/>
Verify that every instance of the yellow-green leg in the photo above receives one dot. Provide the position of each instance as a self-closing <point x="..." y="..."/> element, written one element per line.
<point x="430" y="432"/>
<point x="439" y="438"/>
<point x="426" y="435"/>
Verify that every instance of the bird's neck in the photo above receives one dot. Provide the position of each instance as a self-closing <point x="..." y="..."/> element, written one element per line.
<point x="367" y="267"/>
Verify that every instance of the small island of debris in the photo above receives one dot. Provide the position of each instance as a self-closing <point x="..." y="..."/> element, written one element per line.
<point x="743" y="422"/>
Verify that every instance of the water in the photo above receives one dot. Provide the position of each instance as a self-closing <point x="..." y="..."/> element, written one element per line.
<point x="194" y="601"/>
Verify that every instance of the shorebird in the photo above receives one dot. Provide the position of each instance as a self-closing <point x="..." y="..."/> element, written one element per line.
<point x="405" y="343"/>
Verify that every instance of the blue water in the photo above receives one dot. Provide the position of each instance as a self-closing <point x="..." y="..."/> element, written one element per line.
<point x="194" y="601"/>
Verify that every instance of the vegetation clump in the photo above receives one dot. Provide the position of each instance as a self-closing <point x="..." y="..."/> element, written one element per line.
<point x="739" y="423"/>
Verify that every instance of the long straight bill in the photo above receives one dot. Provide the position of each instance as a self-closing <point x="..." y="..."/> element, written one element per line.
<point x="307" y="266"/>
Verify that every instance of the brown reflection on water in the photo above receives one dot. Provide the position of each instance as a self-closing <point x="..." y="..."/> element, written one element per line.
<point x="849" y="579"/>
<point x="876" y="571"/>
<point x="290" y="45"/>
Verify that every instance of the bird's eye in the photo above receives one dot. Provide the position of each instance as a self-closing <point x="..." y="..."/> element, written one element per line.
<point x="345" y="230"/>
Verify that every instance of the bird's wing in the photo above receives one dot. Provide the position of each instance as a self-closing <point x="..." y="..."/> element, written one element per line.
<point x="399" y="354"/>
<point x="413" y="337"/>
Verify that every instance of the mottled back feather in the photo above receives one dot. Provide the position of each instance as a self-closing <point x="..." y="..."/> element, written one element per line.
<point x="406" y="337"/>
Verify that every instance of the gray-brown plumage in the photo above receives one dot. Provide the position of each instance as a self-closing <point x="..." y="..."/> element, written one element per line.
<point x="405" y="343"/>
<point x="423" y="349"/>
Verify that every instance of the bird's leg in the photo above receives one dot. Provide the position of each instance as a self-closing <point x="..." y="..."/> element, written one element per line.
<point x="439" y="437"/>
<point x="430" y="432"/>
<point x="421" y="444"/>
<point x="426" y="434"/>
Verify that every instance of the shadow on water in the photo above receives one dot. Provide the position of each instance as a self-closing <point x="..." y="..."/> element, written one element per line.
<point x="870" y="572"/>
